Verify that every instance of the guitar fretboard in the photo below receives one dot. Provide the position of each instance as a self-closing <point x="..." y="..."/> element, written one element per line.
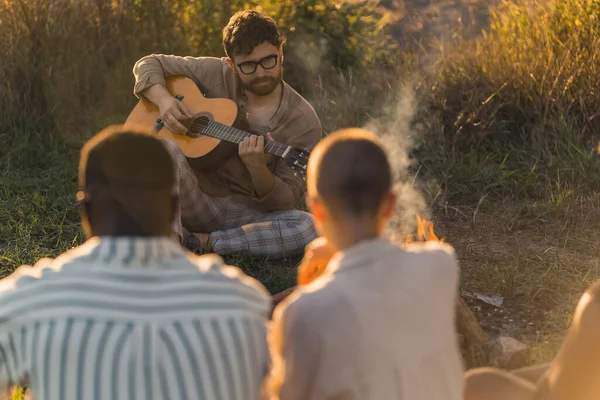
<point x="234" y="135"/>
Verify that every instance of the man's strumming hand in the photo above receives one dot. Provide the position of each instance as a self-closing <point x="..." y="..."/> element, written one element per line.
<point x="172" y="112"/>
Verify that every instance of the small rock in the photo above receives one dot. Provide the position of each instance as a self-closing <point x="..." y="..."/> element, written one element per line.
<point x="505" y="348"/>
<point x="493" y="300"/>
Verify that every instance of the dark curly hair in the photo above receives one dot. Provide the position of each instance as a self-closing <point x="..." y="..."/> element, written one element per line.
<point x="248" y="29"/>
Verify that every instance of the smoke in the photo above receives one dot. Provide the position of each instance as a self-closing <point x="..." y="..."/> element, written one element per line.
<point x="395" y="130"/>
<point x="308" y="57"/>
<point x="393" y="124"/>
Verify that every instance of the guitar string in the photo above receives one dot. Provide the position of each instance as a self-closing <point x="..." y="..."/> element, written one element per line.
<point x="237" y="135"/>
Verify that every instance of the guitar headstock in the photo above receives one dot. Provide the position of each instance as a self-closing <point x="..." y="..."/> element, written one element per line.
<point x="297" y="158"/>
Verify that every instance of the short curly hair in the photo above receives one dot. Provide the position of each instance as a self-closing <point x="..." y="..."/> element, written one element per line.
<point x="248" y="29"/>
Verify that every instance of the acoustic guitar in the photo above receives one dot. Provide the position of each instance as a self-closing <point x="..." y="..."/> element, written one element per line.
<point x="214" y="132"/>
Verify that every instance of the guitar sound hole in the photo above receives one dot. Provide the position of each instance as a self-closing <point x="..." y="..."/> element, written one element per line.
<point x="200" y="122"/>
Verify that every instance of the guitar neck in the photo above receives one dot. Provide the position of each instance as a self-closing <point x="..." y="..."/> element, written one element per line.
<point x="230" y="134"/>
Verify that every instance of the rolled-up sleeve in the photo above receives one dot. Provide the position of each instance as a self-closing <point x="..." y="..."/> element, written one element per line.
<point x="155" y="68"/>
<point x="289" y="184"/>
<point x="287" y="190"/>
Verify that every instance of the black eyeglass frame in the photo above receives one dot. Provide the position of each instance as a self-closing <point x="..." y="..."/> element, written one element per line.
<point x="255" y="64"/>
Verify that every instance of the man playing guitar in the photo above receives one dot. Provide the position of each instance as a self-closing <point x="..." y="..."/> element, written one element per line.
<point x="248" y="204"/>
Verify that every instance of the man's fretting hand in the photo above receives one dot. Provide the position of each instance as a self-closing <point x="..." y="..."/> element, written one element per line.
<point x="252" y="152"/>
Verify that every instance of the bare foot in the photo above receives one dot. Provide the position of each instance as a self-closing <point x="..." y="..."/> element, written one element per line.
<point x="203" y="237"/>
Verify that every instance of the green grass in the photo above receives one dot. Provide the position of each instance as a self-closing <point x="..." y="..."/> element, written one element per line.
<point x="37" y="208"/>
<point x="40" y="216"/>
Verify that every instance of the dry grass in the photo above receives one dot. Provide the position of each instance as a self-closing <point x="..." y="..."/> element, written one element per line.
<point x="538" y="257"/>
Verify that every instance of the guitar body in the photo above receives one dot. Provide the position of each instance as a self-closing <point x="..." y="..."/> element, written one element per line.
<point x="214" y="132"/>
<point x="204" y="153"/>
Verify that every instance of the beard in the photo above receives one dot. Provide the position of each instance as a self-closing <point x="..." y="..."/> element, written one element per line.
<point x="262" y="86"/>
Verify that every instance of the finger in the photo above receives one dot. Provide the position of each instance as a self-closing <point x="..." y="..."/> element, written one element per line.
<point x="260" y="143"/>
<point x="184" y="111"/>
<point x="244" y="145"/>
<point x="175" y="126"/>
<point x="167" y="123"/>
<point x="252" y="143"/>
<point x="177" y="114"/>
<point x="257" y="145"/>
<point x="178" y="126"/>
<point x="270" y="137"/>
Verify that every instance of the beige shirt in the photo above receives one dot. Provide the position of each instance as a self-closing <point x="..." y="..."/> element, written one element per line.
<point x="379" y="324"/>
<point x="295" y="123"/>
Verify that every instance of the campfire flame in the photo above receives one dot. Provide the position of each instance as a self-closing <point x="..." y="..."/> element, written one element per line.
<point x="425" y="232"/>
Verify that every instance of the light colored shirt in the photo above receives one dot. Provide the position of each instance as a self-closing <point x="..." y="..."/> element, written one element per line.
<point x="378" y="324"/>
<point x="133" y="318"/>
<point x="295" y="123"/>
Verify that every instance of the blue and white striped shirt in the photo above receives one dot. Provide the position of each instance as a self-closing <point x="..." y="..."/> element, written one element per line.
<point x="133" y="318"/>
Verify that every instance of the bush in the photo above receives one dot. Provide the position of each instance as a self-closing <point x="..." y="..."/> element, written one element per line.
<point x="521" y="103"/>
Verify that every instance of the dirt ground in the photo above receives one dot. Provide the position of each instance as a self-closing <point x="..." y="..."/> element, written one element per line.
<point x="538" y="258"/>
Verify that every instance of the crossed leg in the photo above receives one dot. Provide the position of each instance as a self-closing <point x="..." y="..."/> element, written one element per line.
<point x="234" y="226"/>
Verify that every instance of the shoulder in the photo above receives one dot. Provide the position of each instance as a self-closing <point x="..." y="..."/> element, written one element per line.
<point x="214" y="266"/>
<point x="320" y="305"/>
<point x="46" y="268"/>
<point x="434" y="263"/>
<point x="25" y="289"/>
<point x="302" y="111"/>
<point x="215" y="69"/>
<point x="438" y="254"/>
<point x="303" y="107"/>
<point x="218" y="63"/>
<point x="24" y="275"/>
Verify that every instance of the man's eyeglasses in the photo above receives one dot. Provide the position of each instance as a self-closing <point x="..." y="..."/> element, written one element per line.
<point x="249" y="67"/>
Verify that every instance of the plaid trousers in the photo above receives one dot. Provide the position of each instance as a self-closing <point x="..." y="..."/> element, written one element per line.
<point x="236" y="227"/>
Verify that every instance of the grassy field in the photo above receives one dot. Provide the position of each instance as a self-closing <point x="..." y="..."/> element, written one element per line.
<point x="494" y="137"/>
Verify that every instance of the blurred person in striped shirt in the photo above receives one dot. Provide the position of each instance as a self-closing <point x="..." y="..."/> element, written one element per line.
<point x="130" y="314"/>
